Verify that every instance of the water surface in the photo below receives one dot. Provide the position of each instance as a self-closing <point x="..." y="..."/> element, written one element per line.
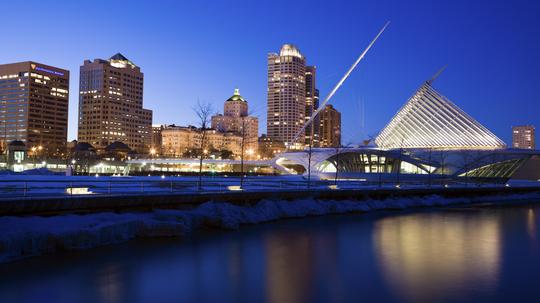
<point x="478" y="254"/>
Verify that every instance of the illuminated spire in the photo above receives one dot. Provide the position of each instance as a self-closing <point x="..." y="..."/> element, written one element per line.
<point x="236" y="96"/>
<point x="120" y="61"/>
<point x="290" y="50"/>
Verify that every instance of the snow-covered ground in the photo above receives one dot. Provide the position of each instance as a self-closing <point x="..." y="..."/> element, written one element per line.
<point x="22" y="237"/>
<point x="40" y="185"/>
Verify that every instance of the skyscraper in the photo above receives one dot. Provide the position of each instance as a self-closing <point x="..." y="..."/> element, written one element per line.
<point x="286" y="95"/>
<point x="312" y="104"/>
<point x="235" y="119"/>
<point x="330" y="127"/>
<point x="111" y="104"/>
<point x="34" y="105"/>
<point x="523" y="137"/>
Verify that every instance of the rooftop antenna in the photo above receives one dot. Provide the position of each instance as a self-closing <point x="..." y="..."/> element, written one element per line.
<point x="437" y="74"/>
<point x="338" y="85"/>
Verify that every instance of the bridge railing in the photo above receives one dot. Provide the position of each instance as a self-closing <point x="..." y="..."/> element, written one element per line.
<point x="76" y="186"/>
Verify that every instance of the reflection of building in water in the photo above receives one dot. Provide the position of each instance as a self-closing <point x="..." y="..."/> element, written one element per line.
<point x="531" y="224"/>
<point x="426" y="257"/>
<point x="110" y="283"/>
<point x="289" y="268"/>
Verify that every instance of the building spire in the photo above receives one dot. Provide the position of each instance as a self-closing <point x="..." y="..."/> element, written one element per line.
<point x="437" y="74"/>
<point x="237" y="92"/>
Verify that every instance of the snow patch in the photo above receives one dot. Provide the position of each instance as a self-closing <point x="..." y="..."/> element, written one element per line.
<point x="23" y="237"/>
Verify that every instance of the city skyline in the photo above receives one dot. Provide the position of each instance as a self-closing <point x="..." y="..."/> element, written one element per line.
<point x="494" y="64"/>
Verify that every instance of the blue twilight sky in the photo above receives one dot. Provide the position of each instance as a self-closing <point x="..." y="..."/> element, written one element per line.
<point x="191" y="50"/>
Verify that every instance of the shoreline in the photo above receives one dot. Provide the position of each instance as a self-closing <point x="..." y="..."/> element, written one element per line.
<point x="31" y="236"/>
<point x="163" y="197"/>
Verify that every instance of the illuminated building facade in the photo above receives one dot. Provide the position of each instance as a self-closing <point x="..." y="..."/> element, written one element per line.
<point x="430" y="120"/>
<point x="429" y="140"/>
<point x="178" y="140"/>
<point x="523" y="137"/>
<point x="312" y="104"/>
<point x="111" y="104"/>
<point x="286" y="95"/>
<point x="34" y="100"/>
<point x="269" y="148"/>
<point x="157" y="139"/>
<point x="235" y="119"/>
<point x="330" y="127"/>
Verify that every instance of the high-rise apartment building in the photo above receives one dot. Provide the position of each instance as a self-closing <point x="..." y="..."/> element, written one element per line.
<point x="330" y="127"/>
<point x="286" y="96"/>
<point x="34" y="100"/>
<point x="235" y="119"/>
<point x="111" y="104"/>
<point x="523" y="137"/>
<point x="312" y="104"/>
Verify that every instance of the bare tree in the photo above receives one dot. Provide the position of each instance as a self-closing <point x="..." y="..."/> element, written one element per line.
<point x="243" y="133"/>
<point x="466" y="167"/>
<point x="204" y="111"/>
<point x="337" y="164"/>
<point x="310" y="152"/>
<point x="429" y="167"/>
<point x="338" y="150"/>
<point x="381" y="166"/>
<point x="399" y="163"/>
<point x="242" y="149"/>
<point x="443" y="154"/>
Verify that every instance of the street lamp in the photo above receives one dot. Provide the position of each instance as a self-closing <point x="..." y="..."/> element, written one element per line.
<point x="34" y="155"/>
<point x="152" y="152"/>
<point x="74" y="168"/>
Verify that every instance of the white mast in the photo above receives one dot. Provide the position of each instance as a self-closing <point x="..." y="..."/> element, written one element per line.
<point x="338" y="85"/>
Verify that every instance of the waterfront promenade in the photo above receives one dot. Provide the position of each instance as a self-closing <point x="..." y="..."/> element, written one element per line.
<point x="36" y="195"/>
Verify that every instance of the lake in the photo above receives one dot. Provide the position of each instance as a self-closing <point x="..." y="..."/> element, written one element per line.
<point x="469" y="254"/>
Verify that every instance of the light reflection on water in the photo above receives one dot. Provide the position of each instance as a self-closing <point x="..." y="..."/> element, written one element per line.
<point x="444" y="255"/>
<point x="289" y="265"/>
<point x="426" y="257"/>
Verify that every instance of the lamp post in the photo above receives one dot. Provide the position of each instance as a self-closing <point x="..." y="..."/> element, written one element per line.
<point x="73" y="162"/>
<point x="34" y="149"/>
<point x="39" y="150"/>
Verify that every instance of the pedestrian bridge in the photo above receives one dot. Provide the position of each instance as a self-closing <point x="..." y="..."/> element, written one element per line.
<point x="365" y="162"/>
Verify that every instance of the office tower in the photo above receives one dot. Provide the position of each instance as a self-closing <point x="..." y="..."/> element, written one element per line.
<point x="34" y="106"/>
<point x="312" y="104"/>
<point x="111" y="104"/>
<point x="235" y="119"/>
<point x="286" y="96"/>
<point x="330" y="127"/>
<point x="523" y="137"/>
